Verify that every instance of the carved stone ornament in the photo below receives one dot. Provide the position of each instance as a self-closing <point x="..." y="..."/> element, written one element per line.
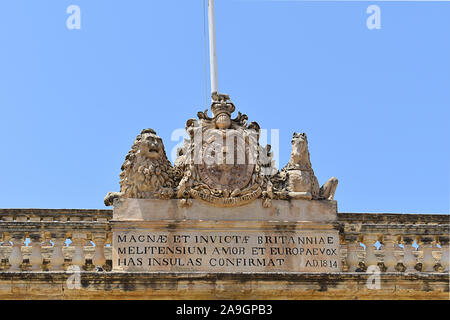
<point x="297" y="180"/>
<point x="221" y="164"/>
<point x="146" y="171"/>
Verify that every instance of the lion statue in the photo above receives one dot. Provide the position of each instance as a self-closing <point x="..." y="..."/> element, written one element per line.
<point x="297" y="180"/>
<point x="146" y="171"/>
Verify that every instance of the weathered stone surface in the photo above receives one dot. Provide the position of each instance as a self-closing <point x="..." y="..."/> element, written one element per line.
<point x="304" y="286"/>
<point x="281" y="210"/>
<point x="290" y="236"/>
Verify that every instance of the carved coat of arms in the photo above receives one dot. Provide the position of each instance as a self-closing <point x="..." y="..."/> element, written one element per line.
<point x="222" y="160"/>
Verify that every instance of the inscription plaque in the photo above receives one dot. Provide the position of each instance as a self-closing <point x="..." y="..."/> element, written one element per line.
<point x="226" y="251"/>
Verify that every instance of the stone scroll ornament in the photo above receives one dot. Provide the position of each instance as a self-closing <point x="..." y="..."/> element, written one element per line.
<point x="221" y="164"/>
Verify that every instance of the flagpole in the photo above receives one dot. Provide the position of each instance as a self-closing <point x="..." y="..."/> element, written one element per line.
<point x="212" y="48"/>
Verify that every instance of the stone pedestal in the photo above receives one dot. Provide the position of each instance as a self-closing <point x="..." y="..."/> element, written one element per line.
<point x="290" y="236"/>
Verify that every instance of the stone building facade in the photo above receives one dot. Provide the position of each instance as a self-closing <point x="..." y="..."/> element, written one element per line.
<point x="42" y="267"/>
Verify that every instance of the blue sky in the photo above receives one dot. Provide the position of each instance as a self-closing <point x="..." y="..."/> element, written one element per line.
<point x="374" y="103"/>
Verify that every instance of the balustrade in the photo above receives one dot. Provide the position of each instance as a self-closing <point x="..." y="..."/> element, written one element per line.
<point x="444" y="243"/>
<point x="36" y="258"/>
<point x="36" y="240"/>
<point x="409" y="258"/>
<point x="16" y="257"/>
<point x="369" y="241"/>
<point x="389" y="244"/>
<point x="40" y="237"/>
<point x="398" y="235"/>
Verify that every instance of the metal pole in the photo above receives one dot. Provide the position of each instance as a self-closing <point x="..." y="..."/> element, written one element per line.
<point x="212" y="48"/>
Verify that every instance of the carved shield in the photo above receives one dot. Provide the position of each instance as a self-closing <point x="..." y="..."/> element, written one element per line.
<point x="228" y="160"/>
